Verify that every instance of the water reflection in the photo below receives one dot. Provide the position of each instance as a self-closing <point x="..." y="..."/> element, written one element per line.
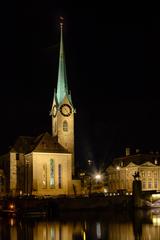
<point x="85" y="226"/>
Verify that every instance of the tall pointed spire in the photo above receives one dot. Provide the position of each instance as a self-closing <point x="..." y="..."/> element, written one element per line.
<point x="62" y="86"/>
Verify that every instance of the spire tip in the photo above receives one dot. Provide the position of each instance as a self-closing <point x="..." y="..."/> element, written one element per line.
<point x="61" y="21"/>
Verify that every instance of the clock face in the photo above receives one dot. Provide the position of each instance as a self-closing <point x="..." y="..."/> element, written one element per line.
<point x="66" y="110"/>
<point x="54" y="110"/>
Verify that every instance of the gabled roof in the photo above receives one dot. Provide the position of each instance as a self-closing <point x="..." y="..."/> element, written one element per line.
<point x="131" y="164"/>
<point x="110" y="168"/>
<point x="137" y="159"/>
<point x="147" y="164"/>
<point x="46" y="143"/>
<point x="42" y="143"/>
<point x="23" y="144"/>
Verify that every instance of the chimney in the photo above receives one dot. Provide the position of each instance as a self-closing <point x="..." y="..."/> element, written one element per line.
<point x="127" y="151"/>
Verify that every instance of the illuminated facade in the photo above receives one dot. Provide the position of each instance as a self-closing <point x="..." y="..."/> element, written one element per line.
<point x="44" y="165"/>
<point x="120" y="172"/>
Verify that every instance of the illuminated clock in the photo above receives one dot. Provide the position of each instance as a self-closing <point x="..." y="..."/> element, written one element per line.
<point x="54" y="110"/>
<point x="66" y="110"/>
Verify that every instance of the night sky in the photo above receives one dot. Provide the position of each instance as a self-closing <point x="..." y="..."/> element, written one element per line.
<point x="113" y="74"/>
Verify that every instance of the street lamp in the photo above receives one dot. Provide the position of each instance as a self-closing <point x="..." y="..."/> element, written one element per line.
<point x="98" y="177"/>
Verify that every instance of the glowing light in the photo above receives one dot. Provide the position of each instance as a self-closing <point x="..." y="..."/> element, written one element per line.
<point x="155" y="195"/>
<point x="11" y="206"/>
<point x="12" y="222"/>
<point x="98" y="177"/>
<point x="156" y="220"/>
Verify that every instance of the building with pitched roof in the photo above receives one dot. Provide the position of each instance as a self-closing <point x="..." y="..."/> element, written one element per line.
<point x="44" y="165"/>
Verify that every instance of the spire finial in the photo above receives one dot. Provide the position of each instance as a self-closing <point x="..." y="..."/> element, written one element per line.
<point x="61" y="22"/>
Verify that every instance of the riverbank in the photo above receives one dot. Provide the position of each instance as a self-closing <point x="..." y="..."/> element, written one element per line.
<point x="53" y="206"/>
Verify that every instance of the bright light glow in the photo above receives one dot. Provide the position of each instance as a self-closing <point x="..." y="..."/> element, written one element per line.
<point x="156" y="196"/>
<point x="118" y="167"/>
<point x="98" y="177"/>
<point x="12" y="222"/>
<point x="11" y="206"/>
<point x="156" y="220"/>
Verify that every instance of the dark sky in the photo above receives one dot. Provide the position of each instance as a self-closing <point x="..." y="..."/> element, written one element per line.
<point x="113" y="73"/>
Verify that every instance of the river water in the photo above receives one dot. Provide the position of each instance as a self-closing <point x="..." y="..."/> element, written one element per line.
<point x="88" y="225"/>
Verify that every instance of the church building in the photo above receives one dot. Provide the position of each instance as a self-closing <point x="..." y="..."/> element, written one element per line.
<point x="44" y="165"/>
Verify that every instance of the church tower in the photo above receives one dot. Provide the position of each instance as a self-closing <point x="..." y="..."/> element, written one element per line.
<point x="62" y="110"/>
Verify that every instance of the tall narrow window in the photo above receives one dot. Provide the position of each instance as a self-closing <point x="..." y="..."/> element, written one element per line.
<point x="17" y="156"/>
<point x="155" y="183"/>
<point x="44" y="176"/>
<point x="65" y="126"/>
<point x="150" y="183"/>
<point x="59" y="175"/>
<point x="52" y="180"/>
<point x="143" y="184"/>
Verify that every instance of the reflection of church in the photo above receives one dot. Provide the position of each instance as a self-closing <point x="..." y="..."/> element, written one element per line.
<point x="44" y="165"/>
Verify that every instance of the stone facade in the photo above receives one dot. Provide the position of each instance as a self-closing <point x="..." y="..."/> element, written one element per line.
<point x="120" y="174"/>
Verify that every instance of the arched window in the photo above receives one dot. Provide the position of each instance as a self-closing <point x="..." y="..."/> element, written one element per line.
<point x="59" y="175"/>
<point x="65" y="126"/>
<point x="44" y="176"/>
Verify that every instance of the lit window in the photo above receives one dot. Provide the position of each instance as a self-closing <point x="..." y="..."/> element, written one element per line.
<point x="143" y="184"/>
<point x="65" y="126"/>
<point x="121" y="164"/>
<point x="142" y="174"/>
<point x="155" y="161"/>
<point x="149" y="173"/>
<point x="155" y="174"/>
<point x="155" y="183"/>
<point x="52" y="183"/>
<point x="150" y="183"/>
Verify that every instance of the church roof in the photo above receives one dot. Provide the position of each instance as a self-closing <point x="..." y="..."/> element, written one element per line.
<point x="42" y="143"/>
<point x="23" y="144"/>
<point x="46" y="143"/>
<point x="62" y="84"/>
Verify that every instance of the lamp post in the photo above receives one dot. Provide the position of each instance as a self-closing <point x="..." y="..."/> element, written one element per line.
<point x="98" y="177"/>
